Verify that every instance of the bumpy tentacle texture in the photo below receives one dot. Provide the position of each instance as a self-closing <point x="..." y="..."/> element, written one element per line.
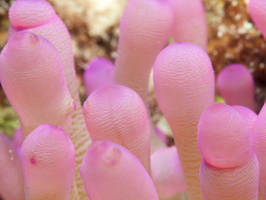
<point x="99" y="72"/>
<point x="117" y="113"/>
<point x="33" y="79"/>
<point x="109" y="171"/>
<point x="235" y="84"/>
<point x="230" y="168"/>
<point x="11" y="175"/>
<point x="167" y="173"/>
<point x="257" y="11"/>
<point x="249" y="116"/>
<point x="145" y="28"/>
<point x="184" y="87"/>
<point x="190" y="23"/>
<point x="259" y="133"/>
<point x="48" y="158"/>
<point x="38" y="16"/>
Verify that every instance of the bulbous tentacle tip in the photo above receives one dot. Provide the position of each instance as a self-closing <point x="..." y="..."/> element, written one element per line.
<point x="45" y="131"/>
<point x="109" y="171"/>
<point x="109" y="154"/>
<point x="30" y="13"/>
<point x="48" y="158"/>
<point x="184" y="51"/>
<point x="98" y="73"/>
<point x="220" y="129"/>
<point x="217" y="108"/>
<point x="100" y="62"/>
<point x="23" y="38"/>
<point x="236" y="85"/>
<point x="21" y="44"/>
<point x="112" y="92"/>
<point x="232" y="70"/>
<point x="48" y="129"/>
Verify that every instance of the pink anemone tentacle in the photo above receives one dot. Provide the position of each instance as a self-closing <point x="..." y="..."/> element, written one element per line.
<point x="109" y="171"/>
<point x="116" y="113"/>
<point x="230" y="169"/>
<point x="184" y="88"/>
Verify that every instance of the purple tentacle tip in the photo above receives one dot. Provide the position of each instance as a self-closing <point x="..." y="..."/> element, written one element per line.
<point x="229" y="161"/>
<point x="48" y="158"/>
<point x="235" y="84"/>
<point x="99" y="72"/>
<point x="109" y="171"/>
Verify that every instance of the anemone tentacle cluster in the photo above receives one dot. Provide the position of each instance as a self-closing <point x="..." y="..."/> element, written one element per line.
<point x="107" y="149"/>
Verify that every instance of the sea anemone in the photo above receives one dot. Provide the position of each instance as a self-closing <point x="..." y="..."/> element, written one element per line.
<point x="107" y="149"/>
